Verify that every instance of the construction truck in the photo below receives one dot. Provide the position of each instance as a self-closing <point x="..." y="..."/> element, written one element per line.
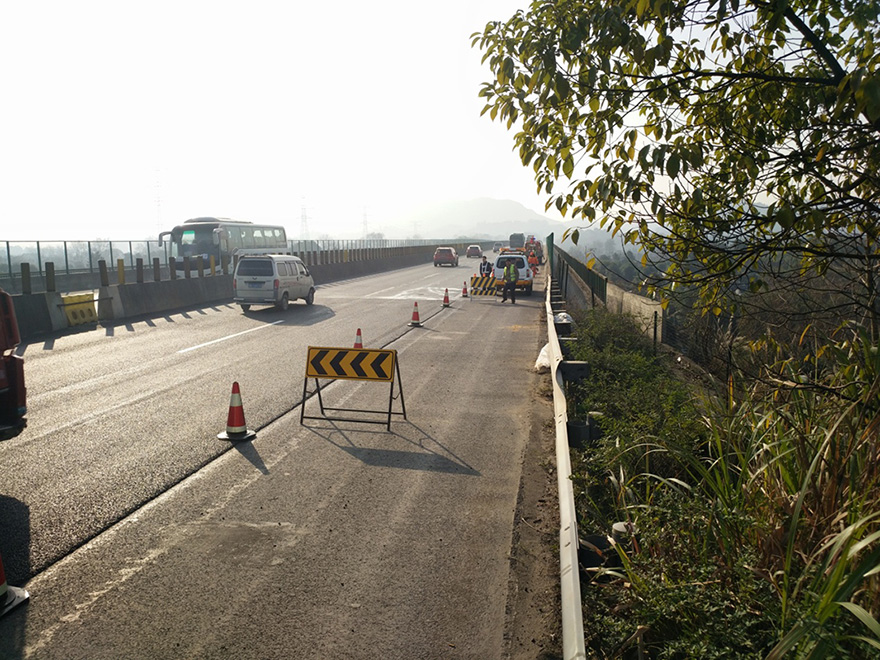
<point x="13" y="407"/>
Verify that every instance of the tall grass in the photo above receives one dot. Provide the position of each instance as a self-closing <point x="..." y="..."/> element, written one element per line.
<point x="759" y="525"/>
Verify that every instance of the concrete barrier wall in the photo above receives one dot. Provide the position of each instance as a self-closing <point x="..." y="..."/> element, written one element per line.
<point x="579" y="297"/>
<point x="41" y="313"/>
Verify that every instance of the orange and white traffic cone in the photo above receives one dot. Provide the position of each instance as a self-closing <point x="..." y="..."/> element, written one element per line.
<point x="9" y="596"/>
<point x="416" y="323"/>
<point x="358" y="342"/>
<point x="464" y="293"/>
<point x="236" y="428"/>
<point x="446" y="297"/>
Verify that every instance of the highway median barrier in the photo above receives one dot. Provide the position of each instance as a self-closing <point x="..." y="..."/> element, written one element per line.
<point x="79" y="308"/>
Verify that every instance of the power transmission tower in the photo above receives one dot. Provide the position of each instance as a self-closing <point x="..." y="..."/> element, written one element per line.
<point x="304" y="224"/>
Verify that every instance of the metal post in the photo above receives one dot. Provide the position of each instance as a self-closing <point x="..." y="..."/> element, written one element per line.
<point x="120" y="270"/>
<point x="66" y="261"/>
<point x="139" y="270"/>
<point x="157" y="271"/>
<point x="26" y="278"/>
<point x="50" y="276"/>
<point x="105" y="275"/>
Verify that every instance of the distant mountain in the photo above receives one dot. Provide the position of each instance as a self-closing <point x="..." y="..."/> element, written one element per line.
<point x="486" y="218"/>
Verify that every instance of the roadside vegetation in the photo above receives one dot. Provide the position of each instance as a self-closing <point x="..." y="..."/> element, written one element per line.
<point x="755" y="527"/>
<point x="732" y="147"/>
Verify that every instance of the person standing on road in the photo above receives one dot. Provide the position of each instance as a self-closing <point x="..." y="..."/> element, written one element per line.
<point x="485" y="268"/>
<point x="533" y="262"/>
<point x="510" y="276"/>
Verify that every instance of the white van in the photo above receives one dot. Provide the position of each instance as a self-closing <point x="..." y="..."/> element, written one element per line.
<point x="525" y="277"/>
<point x="271" y="279"/>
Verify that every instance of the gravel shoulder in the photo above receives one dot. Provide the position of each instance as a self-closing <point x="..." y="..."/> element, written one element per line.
<point x="533" y="609"/>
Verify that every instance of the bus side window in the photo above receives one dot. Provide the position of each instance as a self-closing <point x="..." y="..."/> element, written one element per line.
<point x="247" y="237"/>
<point x="234" y="240"/>
<point x="259" y="239"/>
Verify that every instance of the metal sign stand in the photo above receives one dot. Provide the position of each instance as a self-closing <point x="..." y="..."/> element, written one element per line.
<point x="319" y="365"/>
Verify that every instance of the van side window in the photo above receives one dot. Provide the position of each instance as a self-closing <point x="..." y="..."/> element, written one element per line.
<point x="301" y="268"/>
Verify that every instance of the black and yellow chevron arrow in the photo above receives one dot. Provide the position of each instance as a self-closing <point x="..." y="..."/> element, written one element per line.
<point x="355" y="363"/>
<point x="484" y="285"/>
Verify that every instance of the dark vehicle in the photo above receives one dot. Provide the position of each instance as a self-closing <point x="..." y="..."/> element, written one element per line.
<point x="517" y="241"/>
<point x="445" y="255"/>
<point x="474" y="251"/>
<point x="12" y="391"/>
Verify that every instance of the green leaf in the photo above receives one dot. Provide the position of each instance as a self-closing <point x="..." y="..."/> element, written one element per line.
<point x="672" y="164"/>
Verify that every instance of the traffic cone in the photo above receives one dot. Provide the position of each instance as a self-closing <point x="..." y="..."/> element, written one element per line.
<point x="446" y="297"/>
<point x="9" y="596"/>
<point x="236" y="428"/>
<point x="464" y="291"/>
<point x="358" y="342"/>
<point x="416" y="323"/>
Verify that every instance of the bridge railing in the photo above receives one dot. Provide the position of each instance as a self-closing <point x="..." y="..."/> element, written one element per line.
<point x="71" y="257"/>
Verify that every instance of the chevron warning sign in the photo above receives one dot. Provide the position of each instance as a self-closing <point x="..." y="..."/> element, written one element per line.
<point x="483" y="285"/>
<point x="354" y="363"/>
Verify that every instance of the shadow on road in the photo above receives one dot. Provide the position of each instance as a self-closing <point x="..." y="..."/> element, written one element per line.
<point x="425" y="458"/>
<point x="15" y="535"/>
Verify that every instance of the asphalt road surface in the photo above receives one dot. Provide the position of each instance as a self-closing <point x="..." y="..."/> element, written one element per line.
<point x="139" y="534"/>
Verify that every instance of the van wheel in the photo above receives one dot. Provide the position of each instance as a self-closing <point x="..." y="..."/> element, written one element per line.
<point x="285" y="301"/>
<point x="310" y="298"/>
<point x="528" y="291"/>
<point x="245" y="308"/>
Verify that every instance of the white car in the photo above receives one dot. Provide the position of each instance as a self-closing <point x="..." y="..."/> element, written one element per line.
<point x="271" y="279"/>
<point x="525" y="277"/>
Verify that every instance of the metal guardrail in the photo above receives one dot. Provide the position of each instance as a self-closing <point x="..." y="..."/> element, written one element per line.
<point x="573" y="646"/>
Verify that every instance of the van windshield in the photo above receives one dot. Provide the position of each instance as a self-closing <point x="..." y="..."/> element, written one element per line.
<point x="255" y="267"/>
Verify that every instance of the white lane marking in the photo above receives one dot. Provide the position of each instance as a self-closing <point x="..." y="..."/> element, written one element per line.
<point x="237" y="334"/>
<point x="376" y="293"/>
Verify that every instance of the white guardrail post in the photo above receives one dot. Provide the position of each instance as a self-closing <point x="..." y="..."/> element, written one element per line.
<point x="573" y="647"/>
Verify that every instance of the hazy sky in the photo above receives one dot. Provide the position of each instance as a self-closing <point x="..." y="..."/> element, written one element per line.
<point x="123" y="118"/>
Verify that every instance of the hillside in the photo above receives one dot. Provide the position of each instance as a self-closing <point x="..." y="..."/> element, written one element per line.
<point x="486" y="218"/>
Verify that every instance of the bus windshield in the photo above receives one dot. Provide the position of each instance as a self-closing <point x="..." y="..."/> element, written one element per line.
<point x="192" y="242"/>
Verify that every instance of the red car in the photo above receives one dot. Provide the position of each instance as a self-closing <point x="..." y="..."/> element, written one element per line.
<point x="474" y="251"/>
<point x="445" y="255"/>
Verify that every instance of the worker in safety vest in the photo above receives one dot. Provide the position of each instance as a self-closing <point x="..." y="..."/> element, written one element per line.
<point x="485" y="268"/>
<point x="533" y="262"/>
<point x="510" y="276"/>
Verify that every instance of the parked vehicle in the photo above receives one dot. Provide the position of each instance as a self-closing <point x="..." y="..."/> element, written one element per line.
<point x="525" y="277"/>
<point x="13" y="395"/>
<point x="445" y="255"/>
<point x="474" y="251"/>
<point x="272" y="279"/>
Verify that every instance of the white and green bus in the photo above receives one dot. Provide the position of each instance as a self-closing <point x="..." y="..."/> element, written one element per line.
<point x="223" y="239"/>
